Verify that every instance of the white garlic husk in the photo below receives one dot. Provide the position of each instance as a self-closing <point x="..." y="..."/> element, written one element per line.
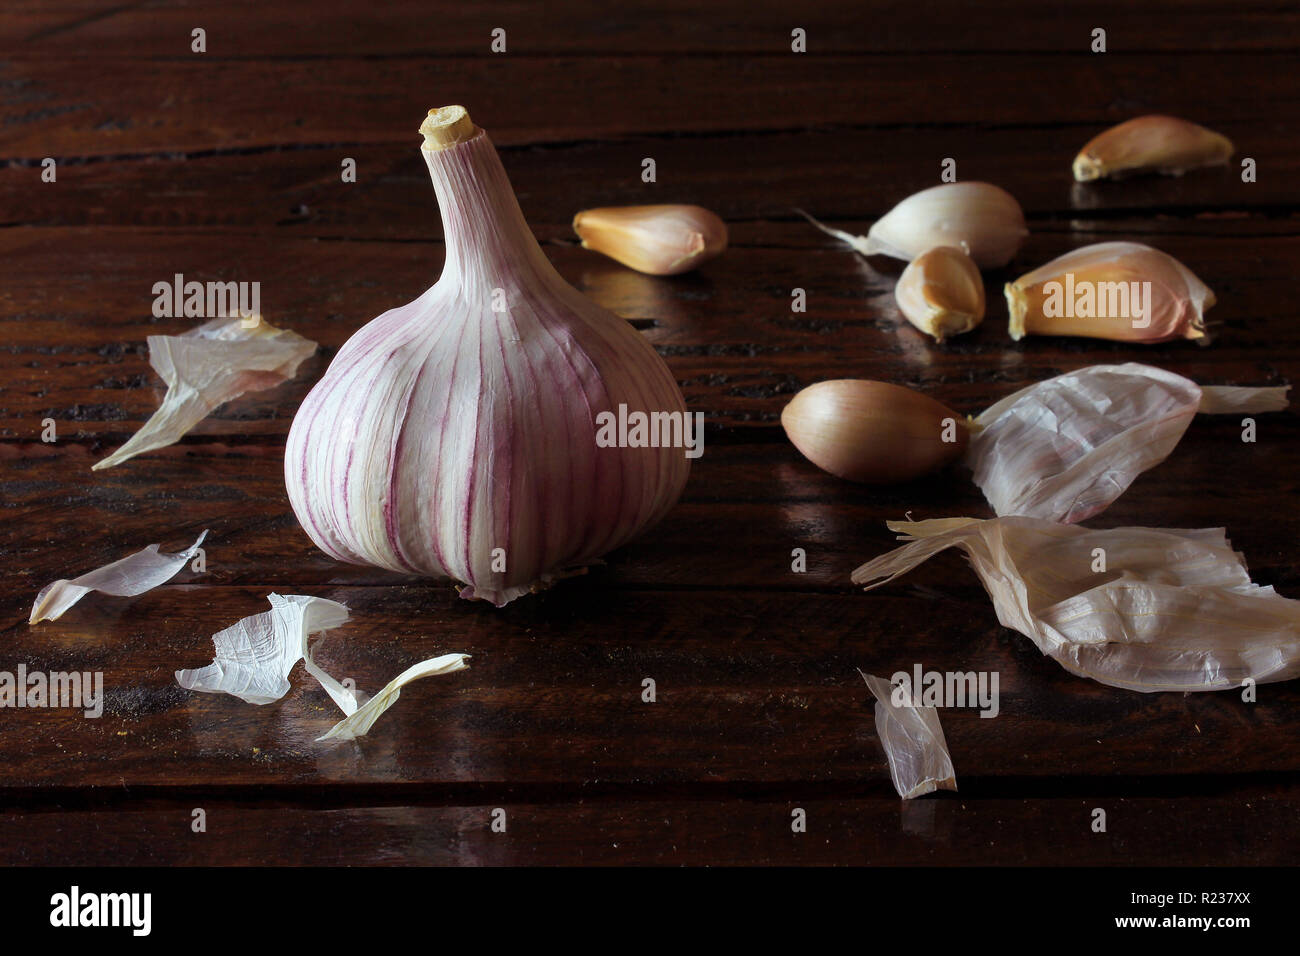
<point x="458" y="436"/>
<point x="981" y="218"/>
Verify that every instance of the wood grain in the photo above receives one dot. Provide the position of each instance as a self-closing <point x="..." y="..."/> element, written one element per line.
<point x="1250" y="828"/>
<point x="247" y="28"/>
<point x="188" y="105"/>
<point x="838" y="175"/>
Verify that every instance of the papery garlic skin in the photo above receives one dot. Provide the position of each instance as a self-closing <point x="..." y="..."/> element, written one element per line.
<point x="449" y="439"/>
<point x="912" y="737"/>
<point x="1046" y="301"/>
<point x="1163" y="144"/>
<point x="664" y="240"/>
<point x="982" y="218"/>
<point x="207" y="367"/>
<point x="873" y="432"/>
<point x="941" y="292"/>
<point x="1064" y="449"/>
<point x="1175" y="609"/>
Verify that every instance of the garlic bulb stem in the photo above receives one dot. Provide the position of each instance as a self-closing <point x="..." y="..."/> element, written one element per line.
<point x="489" y="244"/>
<point x="446" y="126"/>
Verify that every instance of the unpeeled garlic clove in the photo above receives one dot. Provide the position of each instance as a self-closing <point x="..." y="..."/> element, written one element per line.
<point x="982" y="218"/>
<point x="658" y="240"/>
<point x="941" y="292"/>
<point x="873" y="432"/>
<point x="1123" y="291"/>
<point x="1163" y="144"/>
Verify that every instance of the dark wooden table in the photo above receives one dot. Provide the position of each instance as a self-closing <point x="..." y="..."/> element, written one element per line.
<point x="225" y="165"/>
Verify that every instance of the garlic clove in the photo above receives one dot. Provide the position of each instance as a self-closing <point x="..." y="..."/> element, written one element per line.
<point x="1163" y="144"/>
<point x="1123" y="291"/>
<point x="658" y="240"/>
<point x="941" y="292"/>
<point x="983" y="219"/>
<point x="873" y="432"/>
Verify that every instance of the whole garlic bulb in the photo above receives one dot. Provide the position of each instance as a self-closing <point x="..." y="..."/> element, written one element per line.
<point x="457" y="436"/>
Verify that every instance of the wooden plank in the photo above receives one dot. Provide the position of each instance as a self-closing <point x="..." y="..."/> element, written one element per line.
<point x="102" y="108"/>
<point x="752" y="687"/>
<point x="76" y="313"/>
<point x="835" y="174"/>
<point x="1249" y="828"/>
<point x="760" y="496"/>
<point x="102" y="28"/>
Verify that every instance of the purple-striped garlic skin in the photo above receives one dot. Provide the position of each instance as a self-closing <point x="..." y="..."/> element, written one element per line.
<point x="456" y="436"/>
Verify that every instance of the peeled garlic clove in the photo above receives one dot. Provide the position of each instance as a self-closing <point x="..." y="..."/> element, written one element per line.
<point x="873" y="432"/>
<point x="941" y="292"/>
<point x="502" y="429"/>
<point x="1123" y="291"/>
<point x="979" y="217"/>
<point x="1163" y="144"/>
<point x="657" y="240"/>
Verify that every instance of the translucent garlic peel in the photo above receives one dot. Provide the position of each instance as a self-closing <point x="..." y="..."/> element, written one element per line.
<point x="457" y="436"/>
<point x="360" y="720"/>
<point x="941" y="292"/>
<point x="919" y="762"/>
<point x="659" y="240"/>
<point x="1163" y="144"/>
<point x="255" y="656"/>
<point x="127" y="577"/>
<point x="981" y="218"/>
<point x="1174" y="309"/>
<point x="1174" y="610"/>
<point x="1064" y="449"/>
<point x="208" y="366"/>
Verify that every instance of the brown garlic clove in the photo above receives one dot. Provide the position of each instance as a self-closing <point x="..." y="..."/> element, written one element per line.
<point x="941" y="292"/>
<point x="1163" y="144"/>
<point x="1123" y="291"/>
<point x="657" y="240"/>
<point x="873" y="432"/>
